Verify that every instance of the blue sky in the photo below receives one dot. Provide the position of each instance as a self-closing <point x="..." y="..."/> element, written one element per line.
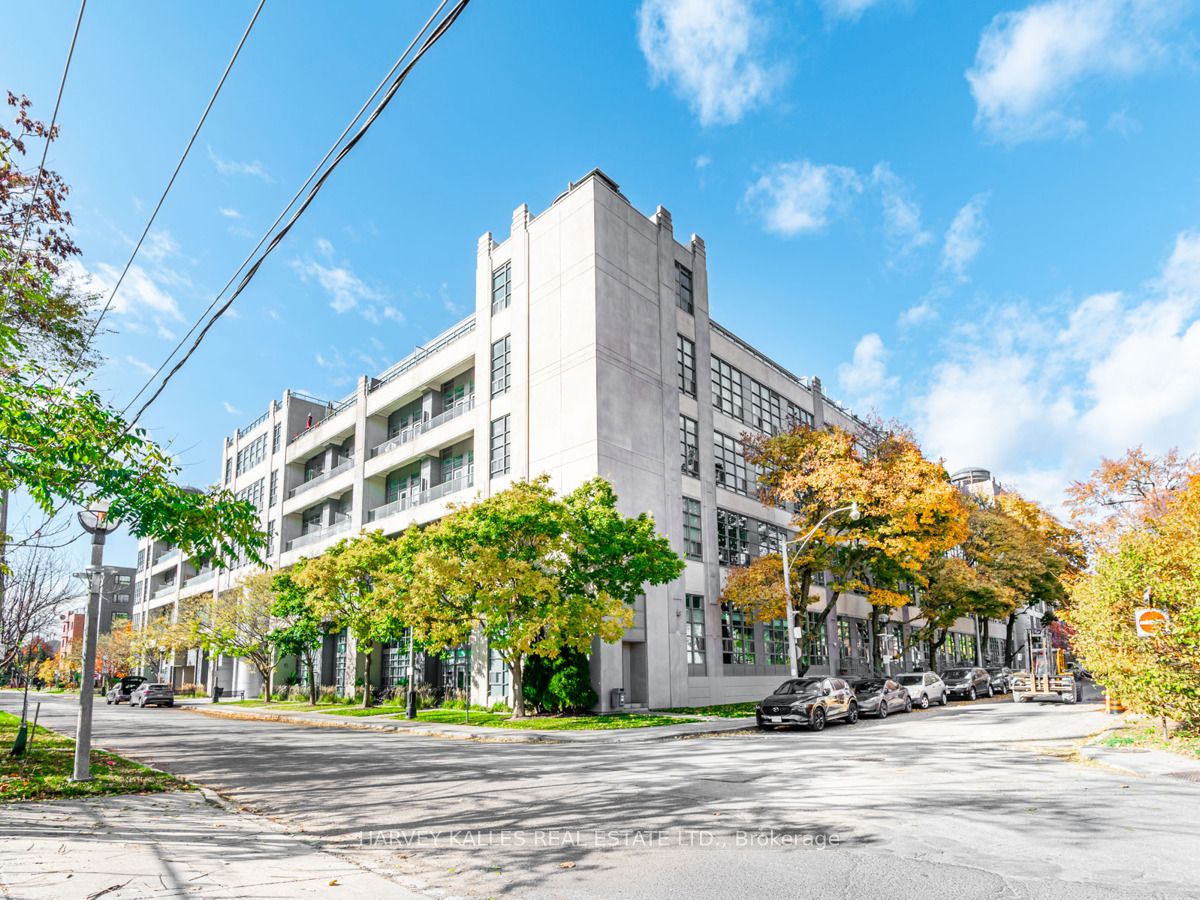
<point x="980" y="218"/>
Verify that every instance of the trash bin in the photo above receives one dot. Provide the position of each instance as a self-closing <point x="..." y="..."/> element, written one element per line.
<point x="217" y="693"/>
<point x="617" y="698"/>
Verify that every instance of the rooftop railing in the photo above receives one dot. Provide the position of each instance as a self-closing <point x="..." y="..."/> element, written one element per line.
<point x="421" y="354"/>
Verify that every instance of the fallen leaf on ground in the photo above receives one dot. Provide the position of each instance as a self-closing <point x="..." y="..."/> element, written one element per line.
<point x="566" y="865"/>
<point x="333" y="882"/>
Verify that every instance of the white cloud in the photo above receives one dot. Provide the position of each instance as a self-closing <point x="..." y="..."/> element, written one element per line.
<point x="254" y="169"/>
<point x="964" y="237"/>
<point x="394" y="314"/>
<point x="712" y="54"/>
<point x="230" y="408"/>
<point x="158" y="245"/>
<point x="141" y="299"/>
<point x="229" y="212"/>
<point x="798" y="197"/>
<point x="1038" y="396"/>
<point x="703" y="161"/>
<point x="141" y="365"/>
<point x="917" y="314"/>
<point x="902" y="227"/>
<point x="345" y="289"/>
<point x="1030" y="61"/>
<point x="865" y="377"/>
<point x="848" y="10"/>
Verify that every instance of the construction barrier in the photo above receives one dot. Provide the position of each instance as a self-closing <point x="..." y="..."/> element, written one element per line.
<point x="1111" y="704"/>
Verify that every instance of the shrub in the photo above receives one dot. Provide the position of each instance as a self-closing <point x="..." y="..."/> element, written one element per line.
<point x="191" y="689"/>
<point x="562" y="684"/>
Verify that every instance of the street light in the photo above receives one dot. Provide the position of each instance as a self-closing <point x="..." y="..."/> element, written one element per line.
<point x="793" y="661"/>
<point x="96" y="522"/>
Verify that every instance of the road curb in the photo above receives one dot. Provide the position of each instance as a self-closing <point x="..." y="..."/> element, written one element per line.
<point x="616" y="736"/>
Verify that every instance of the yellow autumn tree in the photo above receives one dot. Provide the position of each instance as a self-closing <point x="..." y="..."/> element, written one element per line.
<point x="909" y="512"/>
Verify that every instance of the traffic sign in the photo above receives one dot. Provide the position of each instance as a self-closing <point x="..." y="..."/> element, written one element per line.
<point x="1149" y="621"/>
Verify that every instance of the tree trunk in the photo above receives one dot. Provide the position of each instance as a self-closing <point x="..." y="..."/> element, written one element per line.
<point x="518" y="686"/>
<point x="313" y="694"/>
<point x="366" y="701"/>
<point x="1010" y="651"/>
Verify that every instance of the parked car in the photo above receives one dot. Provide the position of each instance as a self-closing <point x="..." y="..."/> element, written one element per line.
<point x="153" y="694"/>
<point x="880" y="696"/>
<point x="123" y="689"/>
<point x="968" y="681"/>
<point x="812" y="701"/>
<point x="924" y="688"/>
<point x="1001" y="678"/>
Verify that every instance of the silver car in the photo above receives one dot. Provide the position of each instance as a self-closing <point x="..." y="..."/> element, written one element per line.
<point x="925" y="688"/>
<point x="153" y="694"/>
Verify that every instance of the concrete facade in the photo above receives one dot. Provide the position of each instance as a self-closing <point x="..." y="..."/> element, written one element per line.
<point x="590" y="352"/>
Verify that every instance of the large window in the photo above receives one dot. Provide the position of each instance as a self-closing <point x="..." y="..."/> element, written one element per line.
<point x="276" y="435"/>
<point x="770" y="538"/>
<point x="694" y="608"/>
<point x="737" y="637"/>
<point x="502" y="288"/>
<point x="733" y="539"/>
<point x="727" y="388"/>
<point x="395" y="663"/>
<point x="404" y="417"/>
<point x="252" y="454"/>
<point x="274" y="495"/>
<point x="817" y="648"/>
<point x="693" y="535"/>
<point x="685" y="364"/>
<point x="730" y="464"/>
<point x="498" y="678"/>
<point x="339" y="662"/>
<point x="689" y="447"/>
<point x="775" y="642"/>
<point x="683" y="288"/>
<point x="456" y="465"/>
<point x="766" y="409"/>
<point x="501" y="446"/>
<point x="402" y="483"/>
<point x="253" y="494"/>
<point x="502" y="365"/>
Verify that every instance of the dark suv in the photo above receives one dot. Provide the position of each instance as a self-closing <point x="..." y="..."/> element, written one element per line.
<point x="813" y="701"/>
<point x="968" y="682"/>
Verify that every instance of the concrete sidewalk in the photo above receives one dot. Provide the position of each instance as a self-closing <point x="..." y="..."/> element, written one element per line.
<point x="1144" y="761"/>
<point x="472" y="732"/>
<point x="166" y="845"/>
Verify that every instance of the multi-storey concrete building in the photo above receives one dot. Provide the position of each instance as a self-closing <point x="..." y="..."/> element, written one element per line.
<point x="590" y="352"/>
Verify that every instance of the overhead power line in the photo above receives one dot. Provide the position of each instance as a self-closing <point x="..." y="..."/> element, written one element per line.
<point x="442" y="27"/>
<point x="170" y="183"/>
<point x="292" y="202"/>
<point x="37" y="184"/>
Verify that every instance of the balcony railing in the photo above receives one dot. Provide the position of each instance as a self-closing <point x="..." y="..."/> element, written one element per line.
<point x="423" y="353"/>
<point x="344" y="466"/>
<point x="320" y="534"/>
<point x="200" y="577"/>
<point x="412" y="432"/>
<point x="460" y="482"/>
<point x="332" y="410"/>
<point x="164" y="591"/>
<point x="166" y="555"/>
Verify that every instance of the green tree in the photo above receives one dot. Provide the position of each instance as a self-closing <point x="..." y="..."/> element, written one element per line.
<point x="532" y="573"/>
<point x="298" y="629"/>
<point x="237" y="623"/>
<point x="343" y="586"/>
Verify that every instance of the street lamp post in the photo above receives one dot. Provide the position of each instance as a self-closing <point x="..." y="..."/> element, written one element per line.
<point x="96" y="522"/>
<point x="793" y="660"/>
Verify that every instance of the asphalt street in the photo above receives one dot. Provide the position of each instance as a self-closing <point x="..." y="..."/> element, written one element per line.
<point x="974" y="800"/>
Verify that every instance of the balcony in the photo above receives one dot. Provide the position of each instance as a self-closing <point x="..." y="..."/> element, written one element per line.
<point x="200" y="578"/>
<point x="412" y="432"/>
<point x="166" y="556"/>
<point x="164" y="591"/>
<point x="320" y="534"/>
<point x="412" y="499"/>
<point x="344" y="466"/>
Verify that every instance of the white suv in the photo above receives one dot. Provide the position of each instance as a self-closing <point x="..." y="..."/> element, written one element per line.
<point x="924" y="688"/>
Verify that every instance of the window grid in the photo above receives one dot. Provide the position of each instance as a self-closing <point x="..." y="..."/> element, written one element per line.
<point x="253" y="494"/>
<point x="733" y="539"/>
<point x="502" y="288"/>
<point x="689" y="446"/>
<point x="502" y="365"/>
<point x="737" y="637"/>
<point x="274" y="491"/>
<point x="727" y="388"/>
<point x="693" y="533"/>
<point x="694" y="607"/>
<point x="683" y="288"/>
<point x="775" y="642"/>
<point x="252" y="454"/>
<point x="685" y="362"/>
<point x="501" y="448"/>
<point x="730" y="465"/>
<point x="276" y="437"/>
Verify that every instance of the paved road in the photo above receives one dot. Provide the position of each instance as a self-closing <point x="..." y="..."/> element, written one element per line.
<point x="967" y="801"/>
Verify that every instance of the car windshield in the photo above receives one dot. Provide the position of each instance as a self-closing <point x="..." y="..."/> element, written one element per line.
<point x="158" y="687"/>
<point x="957" y="673"/>
<point x="868" y="684"/>
<point x="995" y="671"/>
<point x="799" y="686"/>
<point x="909" y="679"/>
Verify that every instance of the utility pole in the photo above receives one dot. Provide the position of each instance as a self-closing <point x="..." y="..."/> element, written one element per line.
<point x="95" y="521"/>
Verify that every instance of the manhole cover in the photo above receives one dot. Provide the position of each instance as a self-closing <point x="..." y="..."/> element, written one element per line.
<point x="1186" y="776"/>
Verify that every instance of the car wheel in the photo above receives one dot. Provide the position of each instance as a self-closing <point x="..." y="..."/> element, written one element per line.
<point x="171" y="704"/>
<point x="924" y="702"/>
<point x="816" y="722"/>
<point x="991" y="692"/>
<point x="973" y="695"/>
<point x="945" y="698"/>
<point x="852" y="714"/>
<point x="883" y="709"/>
<point x="108" y="703"/>
<point x="908" y="704"/>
